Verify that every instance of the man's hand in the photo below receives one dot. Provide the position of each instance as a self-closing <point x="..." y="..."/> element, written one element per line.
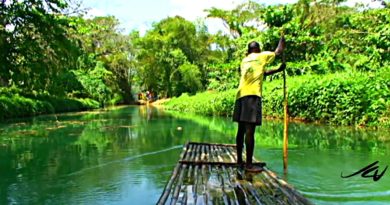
<point x="270" y="72"/>
<point x="281" y="46"/>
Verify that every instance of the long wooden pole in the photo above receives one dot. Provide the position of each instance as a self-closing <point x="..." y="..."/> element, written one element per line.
<point x="285" y="129"/>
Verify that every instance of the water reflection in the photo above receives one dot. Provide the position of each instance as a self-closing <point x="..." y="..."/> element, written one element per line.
<point x="127" y="154"/>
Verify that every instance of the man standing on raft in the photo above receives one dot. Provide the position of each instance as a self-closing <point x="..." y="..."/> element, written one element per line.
<point x="248" y="105"/>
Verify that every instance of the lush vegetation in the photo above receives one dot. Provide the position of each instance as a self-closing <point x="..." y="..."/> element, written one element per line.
<point x="341" y="98"/>
<point x="53" y="59"/>
<point x="338" y="62"/>
<point x="13" y="103"/>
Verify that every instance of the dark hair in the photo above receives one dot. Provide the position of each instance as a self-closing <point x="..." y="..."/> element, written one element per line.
<point x="253" y="47"/>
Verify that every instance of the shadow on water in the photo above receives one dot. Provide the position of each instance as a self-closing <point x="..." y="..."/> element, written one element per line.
<point x="126" y="154"/>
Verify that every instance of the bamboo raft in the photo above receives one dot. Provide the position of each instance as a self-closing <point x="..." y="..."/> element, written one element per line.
<point x="208" y="174"/>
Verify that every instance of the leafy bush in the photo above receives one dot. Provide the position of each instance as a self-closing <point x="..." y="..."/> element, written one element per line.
<point x="18" y="106"/>
<point x="342" y="98"/>
<point x="224" y="76"/>
<point x="13" y="104"/>
<point x="88" y="103"/>
<point x="207" y="103"/>
<point x="93" y="83"/>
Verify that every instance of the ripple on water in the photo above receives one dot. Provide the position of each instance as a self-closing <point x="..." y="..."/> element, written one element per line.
<point x="357" y="197"/>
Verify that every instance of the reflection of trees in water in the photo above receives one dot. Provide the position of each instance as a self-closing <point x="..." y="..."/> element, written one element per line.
<point x="103" y="143"/>
<point x="270" y="134"/>
<point x="341" y="138"/>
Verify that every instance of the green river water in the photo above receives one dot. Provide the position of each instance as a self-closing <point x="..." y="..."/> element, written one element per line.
<point x="125" y="155"/>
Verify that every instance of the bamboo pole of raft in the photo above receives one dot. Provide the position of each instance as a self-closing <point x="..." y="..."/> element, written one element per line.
<point x="233" y="164"/>
<point x="227" y="188"/>
<point x="242" y="189"/>
<point x="223" y="154"/>
<point x="192" y="158"/>
<point x="253" y="195"/>
<point x="204" y="184"/>
<point x="213" y="154"/>
<point x="210" y="197"/>
<point x="192" y="197"/>
<point x="285" y="129"/>
<point x="204" y="175"/>
<point x="230" y="157"/>
<point x="266" y="194"/>
<point x="176" y="192"/>
<point x="178" y="185"/>
<point x="225" y="197"/>
<point x="167" y="188"/>
<point x="287" y="187"/>
<point x="230" y="174"/>
<point x="229" y="184"/>
<point x="219" y="154"/>
<point x="233" y="153"/>
<point x="196" y="183"/>
<point x="217" y="144"/>
<point x="270" y="191"/>
<point x="275" y="183"/>
<point x="198" y="153"/>
<point x="190" y="189"/>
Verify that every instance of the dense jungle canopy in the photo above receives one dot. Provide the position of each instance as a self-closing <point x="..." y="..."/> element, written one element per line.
<point x="51" y="54"/>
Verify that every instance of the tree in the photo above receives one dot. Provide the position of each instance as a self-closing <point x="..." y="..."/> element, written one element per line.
<point x="238" y="19"/>
<point x="103" y="43"/>
<point x="171" y="43"/>
<point x="34" y="47"/>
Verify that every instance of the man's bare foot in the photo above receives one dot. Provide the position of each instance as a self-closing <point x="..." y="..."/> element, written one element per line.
<point x="253" y="168"/>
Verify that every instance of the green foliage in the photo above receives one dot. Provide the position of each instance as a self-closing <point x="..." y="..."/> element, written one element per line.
<point x="34" y="48"/>
<point x="117" y="99"/>
<point x="111" y="52"/>
<point x="18" y="106"/>
<point x="51" y="56"/>
<point x="276" y="16"/>
<point x="344" y="98"/>
<point x="172" y="57"/>
<point x="207" y="103"/>
<point x="340" y="54"/>
<point x="47" y="57"/>
<point x="191" y="78"/>
<point x="93" y="83"/>
<point x="14" y="103"/>
<point x="237" y="19"/>
<point x="223" y="76"/>
<point x="321" y="37"/>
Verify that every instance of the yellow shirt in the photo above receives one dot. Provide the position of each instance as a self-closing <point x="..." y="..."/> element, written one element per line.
<point x="252" y="73"/>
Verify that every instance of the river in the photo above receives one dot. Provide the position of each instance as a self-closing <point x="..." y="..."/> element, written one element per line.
<point x="125" y="155"/>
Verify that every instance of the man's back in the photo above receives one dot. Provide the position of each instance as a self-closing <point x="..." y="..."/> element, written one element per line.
<point x="252" y="73"/>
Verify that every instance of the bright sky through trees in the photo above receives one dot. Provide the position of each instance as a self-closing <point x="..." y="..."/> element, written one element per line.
<point x="140" y="15"/>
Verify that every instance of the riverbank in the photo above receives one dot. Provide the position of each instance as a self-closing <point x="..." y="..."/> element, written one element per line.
<point x="357" y="99"/>
<point x="15" y="105"/>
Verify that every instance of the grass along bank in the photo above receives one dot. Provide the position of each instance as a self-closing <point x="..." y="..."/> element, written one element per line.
<point x="359" y="99"/>
<point x="14" y="104"/>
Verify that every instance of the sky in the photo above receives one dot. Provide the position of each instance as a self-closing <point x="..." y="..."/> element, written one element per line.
<point x="140" y="14"/>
